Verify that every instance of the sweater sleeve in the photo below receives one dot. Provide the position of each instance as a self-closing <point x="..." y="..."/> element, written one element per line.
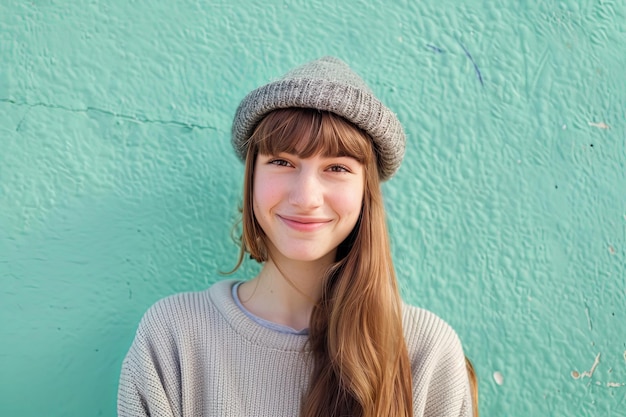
<point x="146" y="387"/>
<point x="440" y="379"/>
<point x="449" y="390"/>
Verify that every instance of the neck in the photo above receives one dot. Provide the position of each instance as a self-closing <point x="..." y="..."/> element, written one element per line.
<point x="285" y="291"/>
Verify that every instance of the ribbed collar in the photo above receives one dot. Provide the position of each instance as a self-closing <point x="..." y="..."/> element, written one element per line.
<point x="220" y="295"/>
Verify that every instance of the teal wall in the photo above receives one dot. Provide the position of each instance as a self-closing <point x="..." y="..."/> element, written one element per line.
<point x="118" y="185"/>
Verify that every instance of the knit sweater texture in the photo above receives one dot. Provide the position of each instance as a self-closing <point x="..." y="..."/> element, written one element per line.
<point x="197" y="354"/>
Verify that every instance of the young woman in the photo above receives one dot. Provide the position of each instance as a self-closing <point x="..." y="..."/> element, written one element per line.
<point x="321" y="330"/>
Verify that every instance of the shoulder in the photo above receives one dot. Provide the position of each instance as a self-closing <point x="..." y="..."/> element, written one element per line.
<point x="440" y="380"/>
<point x="182" y="312"/>
<point x="425" y="330"/>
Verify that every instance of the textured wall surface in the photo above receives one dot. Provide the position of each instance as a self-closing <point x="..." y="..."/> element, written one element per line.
<point x="118" y="185"/>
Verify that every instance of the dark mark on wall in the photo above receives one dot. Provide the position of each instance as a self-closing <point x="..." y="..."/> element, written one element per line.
<point x="478" y="74"/>
<point x="89" y="109"/>
<point x="588" y="314"/>
<point x="435" y="48"/>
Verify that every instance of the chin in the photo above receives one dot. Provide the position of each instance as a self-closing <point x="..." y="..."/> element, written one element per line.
<point x="304" y="255"/>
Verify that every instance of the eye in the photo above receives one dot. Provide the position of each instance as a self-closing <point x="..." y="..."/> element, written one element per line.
<point x="338" y="168"/>
<point x="279" y="162"/>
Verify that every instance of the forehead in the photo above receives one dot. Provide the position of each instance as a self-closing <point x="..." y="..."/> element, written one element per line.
<point x="307" y="133"/>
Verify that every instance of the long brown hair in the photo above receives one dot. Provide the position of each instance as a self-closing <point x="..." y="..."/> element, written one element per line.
<point x="473" y="381"/>
<point x="361" y="365"/>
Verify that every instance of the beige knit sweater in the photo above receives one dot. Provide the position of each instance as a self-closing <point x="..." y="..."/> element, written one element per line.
<point x="199" y="355"/>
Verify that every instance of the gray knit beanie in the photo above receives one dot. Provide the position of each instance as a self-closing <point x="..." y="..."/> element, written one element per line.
<point x="325" y="84"/>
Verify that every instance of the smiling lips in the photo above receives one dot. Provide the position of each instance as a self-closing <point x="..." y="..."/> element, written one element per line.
<point x="304" y="224"/>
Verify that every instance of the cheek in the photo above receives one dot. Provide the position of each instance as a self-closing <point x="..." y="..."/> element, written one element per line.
<point x="349" y="201"/>
<point x="264" y="195"/>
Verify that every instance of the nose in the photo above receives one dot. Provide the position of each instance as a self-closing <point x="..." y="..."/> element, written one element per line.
<point x="307" y="191"/>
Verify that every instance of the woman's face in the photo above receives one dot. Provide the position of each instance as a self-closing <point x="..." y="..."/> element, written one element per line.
<point x="307" y="207"/>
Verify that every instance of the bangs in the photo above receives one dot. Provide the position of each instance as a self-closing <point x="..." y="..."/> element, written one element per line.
<point x="309" y="132"/>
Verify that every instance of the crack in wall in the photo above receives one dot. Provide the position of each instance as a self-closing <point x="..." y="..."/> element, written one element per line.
<point x="589" y="374"/>
<point x="90" y="109"/>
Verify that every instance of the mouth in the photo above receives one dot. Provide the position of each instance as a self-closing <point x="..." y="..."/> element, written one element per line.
<point x="304" y="224"/>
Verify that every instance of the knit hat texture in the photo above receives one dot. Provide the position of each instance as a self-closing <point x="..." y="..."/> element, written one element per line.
<point x="325" y="84"/>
